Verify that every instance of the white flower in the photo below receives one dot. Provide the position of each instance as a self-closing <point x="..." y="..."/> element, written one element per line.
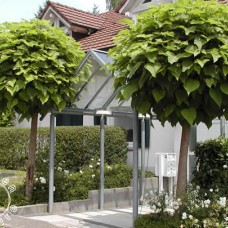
<point x="53" y="188"/>
<point x="92" y="159"/>
<point x="207" y="202"/>
<point x="90" y="166"/>
<point x="93" y="175"/>
<point x="109" y="167"/>
<point x="98" y="163"/>
<point x="153" y="208"/>
<point x="44" y="161"/>
<point x="36" y="179"/>
<point x="198" y="187"/>
<point x="171" y="212"/>
<point x="66" y="171"/>
<point x="59" y="169"/>
<point x="222" y="201"/>
<point x="42" y="180"/>
<point x="211" y="190"/>
<point x="81" y="172"/>
<point x="190" y="217"/>
<point x="184" y="215"/>
<point x="159" y="204"/>
<point x="196" y="220"/>
<point x="224" y="166"/>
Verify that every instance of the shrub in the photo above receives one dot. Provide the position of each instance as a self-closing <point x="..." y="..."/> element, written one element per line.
<point x="211" y="165"/>
<point x="74" y="147"/>
<point x="76" y="185"/>
<point x="199" y="208"/>
<point x="13" y="147"/>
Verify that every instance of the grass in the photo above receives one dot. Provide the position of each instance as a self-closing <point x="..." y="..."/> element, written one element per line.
<point x="15" y="176"/>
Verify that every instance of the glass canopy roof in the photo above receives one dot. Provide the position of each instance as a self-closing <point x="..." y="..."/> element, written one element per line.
<point x="98" y="92"/>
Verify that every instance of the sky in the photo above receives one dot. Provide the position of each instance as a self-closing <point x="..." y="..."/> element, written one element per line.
<point x="17" y="10"/>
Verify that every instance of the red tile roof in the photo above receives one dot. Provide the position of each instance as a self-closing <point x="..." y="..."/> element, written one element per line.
<point x="106" y="25"/>
<point x="103" y="38"/>
<point x="75" y="16"/>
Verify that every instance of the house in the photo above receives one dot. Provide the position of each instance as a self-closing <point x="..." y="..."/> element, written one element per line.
<point x="96" y="32"/>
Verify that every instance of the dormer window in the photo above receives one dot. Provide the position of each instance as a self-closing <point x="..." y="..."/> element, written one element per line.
<point x="146" y="1"/>
<point x="61" y="24"/>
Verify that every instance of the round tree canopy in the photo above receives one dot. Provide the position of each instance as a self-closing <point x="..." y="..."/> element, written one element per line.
<point x="174" y="62"/>
<point x="37" y="67"/>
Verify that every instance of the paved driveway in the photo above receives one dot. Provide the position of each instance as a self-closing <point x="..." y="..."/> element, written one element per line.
<point x="112" y="218"/>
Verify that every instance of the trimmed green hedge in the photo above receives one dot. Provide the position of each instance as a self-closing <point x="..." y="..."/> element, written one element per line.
<point x="211" y="170"/>
<point x="75" y="146"/>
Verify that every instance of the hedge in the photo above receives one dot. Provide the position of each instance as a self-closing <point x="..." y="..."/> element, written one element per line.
<point x="211" y="170"/>
<point x="75" y="146"/>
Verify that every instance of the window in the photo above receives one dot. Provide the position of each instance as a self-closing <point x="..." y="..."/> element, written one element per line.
<point x="97" y="120"/>
<point x="147" y="133"/>
<point x="61" y="24"/>
<point x="69" y="120"/>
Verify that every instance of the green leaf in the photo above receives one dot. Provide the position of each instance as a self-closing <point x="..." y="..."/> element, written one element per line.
<point x="186" y="65"/>
<point x="169" y="109"/>
<point x="225" y="69"/>
<point x="180" y="95"/>
<point x="210" y="82"/>
<point x="215" y="54"/>
<point x="158" y="94"/>
<point x="191" y="85"/>
<point x="11" y="82"/>
<point x="144" y="107"/>
<point x="189" y="115"/>
<point x="12" y="103"/>
<point x="224" y="88"/>
<point x="175" y="70"/>
<point x="172" y="58"/>
<point x="129" y="89"/>
<point x="153" y="68"/>
<point x="199" y="42"/>
<point x="151" y="56"/>
<point x="202" y="62"/>
<point x="134" y="68"/>
<point x="216" y="96"/>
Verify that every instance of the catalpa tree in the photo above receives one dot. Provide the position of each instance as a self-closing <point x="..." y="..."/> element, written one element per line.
<point x="37" y="73"/>
<point x="174" y="63"/>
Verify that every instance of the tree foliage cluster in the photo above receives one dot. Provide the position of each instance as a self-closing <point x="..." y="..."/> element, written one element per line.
<point x="174" y="61"/>
<point x="37" y="67"/>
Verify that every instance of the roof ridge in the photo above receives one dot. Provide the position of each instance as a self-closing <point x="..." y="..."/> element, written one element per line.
<point x="71" y="7"/>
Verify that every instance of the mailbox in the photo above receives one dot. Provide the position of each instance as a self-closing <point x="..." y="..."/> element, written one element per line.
<point x="166" y="164"/>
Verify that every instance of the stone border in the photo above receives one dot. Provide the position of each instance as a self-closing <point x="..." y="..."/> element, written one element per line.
<point x="113" y="198"/>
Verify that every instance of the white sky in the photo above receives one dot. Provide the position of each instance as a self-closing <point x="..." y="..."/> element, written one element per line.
<point x="16" y="10"/>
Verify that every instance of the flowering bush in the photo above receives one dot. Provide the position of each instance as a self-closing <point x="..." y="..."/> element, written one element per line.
<point x="211" y="164"/>
<point x="197" y="209"/>
<point x="76" y="185"/>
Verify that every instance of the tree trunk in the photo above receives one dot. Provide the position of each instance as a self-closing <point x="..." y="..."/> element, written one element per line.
<point x="183" y="157"/>
<point x="30" y="172"/>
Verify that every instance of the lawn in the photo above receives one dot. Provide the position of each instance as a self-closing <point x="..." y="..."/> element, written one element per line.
<point x="15" y="176"/>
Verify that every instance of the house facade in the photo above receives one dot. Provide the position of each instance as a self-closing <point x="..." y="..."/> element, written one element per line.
<point x="96" y="31"/>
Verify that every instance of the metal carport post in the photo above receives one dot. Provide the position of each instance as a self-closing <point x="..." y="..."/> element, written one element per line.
<point x="51" y="164"/>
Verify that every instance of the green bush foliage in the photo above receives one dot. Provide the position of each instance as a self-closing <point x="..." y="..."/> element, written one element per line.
<point x="211" y="170"/>
<point x="198" y="208"/>
<point x="152" y="220"/>
<point x="76" y="185"/>
<point x="74" y="147"/>
<point x="13" y="147"/>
